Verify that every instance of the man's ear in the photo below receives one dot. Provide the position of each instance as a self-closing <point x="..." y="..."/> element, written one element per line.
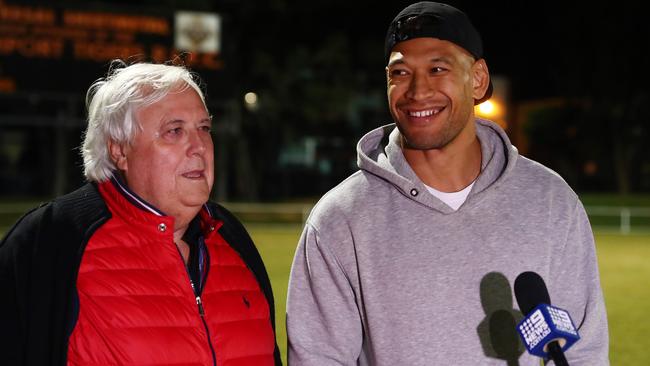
<point x="118" y="155"/>
<point x="480" y="78"/>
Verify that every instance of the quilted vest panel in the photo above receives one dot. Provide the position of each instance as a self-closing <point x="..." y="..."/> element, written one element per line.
<point x="136" y="304"/>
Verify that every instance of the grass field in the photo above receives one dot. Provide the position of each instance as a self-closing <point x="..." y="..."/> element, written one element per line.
<point x="277" y="244"/>
<point x="625" y="276"/>
<point x="624" y="268"/>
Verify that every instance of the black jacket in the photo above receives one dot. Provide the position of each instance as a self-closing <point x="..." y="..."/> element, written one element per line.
<point x="39" y="261"/>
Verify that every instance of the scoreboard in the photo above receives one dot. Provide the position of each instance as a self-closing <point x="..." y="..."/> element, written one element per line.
<point x="45" y="47"/>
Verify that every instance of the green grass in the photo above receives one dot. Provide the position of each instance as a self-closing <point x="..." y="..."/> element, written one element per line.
<point x="277" y="245"/>
<point x="624" y="268"/>
<point x="625" y="273"/>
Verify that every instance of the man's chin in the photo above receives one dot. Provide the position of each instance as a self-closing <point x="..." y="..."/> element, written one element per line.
<point x="195" y="199"/>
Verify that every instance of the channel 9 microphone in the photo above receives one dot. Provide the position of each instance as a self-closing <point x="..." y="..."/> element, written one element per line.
<point x="546" y="331"/>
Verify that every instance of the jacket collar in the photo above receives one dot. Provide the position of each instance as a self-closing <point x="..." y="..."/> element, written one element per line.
<point x="123" y="202"/>
<point x="132" y="197"/>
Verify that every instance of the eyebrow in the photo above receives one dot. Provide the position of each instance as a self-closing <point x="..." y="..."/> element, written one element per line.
<point x="207" y="119"/>
<point x="172" y="121"/>
<point x="442" y="59"/>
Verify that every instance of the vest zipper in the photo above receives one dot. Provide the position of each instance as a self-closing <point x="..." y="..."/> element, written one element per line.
<point x="199" y="304"/>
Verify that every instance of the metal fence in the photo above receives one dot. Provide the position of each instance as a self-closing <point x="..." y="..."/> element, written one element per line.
<point x="625" y="220"/>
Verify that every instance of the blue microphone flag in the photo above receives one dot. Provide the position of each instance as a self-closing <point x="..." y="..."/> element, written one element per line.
<point x="544" y="324"/>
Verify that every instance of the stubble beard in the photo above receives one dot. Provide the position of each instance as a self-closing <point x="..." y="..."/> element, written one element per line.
<point x="430" y="141"/>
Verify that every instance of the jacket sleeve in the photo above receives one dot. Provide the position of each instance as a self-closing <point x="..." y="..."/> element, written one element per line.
<point x="324" y="325"/>
<point x="14" y="263"/>
<point x="576" y="288"/>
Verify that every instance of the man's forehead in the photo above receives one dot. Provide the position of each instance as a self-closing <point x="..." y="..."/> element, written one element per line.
<point x="435" y="50"/>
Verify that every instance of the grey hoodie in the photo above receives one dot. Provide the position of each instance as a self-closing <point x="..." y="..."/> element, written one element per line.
<point x="387" y="274"/>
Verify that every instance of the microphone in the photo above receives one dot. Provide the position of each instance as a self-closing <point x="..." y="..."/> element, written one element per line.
<point x="547" y="331"/>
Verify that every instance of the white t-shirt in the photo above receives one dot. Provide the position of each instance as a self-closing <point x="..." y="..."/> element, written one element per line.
<point x="453" y="199"/>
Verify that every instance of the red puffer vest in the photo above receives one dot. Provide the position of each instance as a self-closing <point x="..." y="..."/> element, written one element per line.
<point x="137" y="307"/>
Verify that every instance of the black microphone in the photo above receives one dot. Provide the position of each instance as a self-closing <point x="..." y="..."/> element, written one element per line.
<point x="546" y="331"/>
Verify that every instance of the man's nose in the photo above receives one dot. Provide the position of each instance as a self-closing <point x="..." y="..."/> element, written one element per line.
<point x="421" y="86"/>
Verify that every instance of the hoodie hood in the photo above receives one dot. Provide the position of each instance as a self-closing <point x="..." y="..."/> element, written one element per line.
<point x="379" y="153"/>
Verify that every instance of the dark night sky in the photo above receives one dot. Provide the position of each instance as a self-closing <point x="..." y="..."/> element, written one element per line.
<point x="592" y="52"/>
<point x="544" y="48"/>
<point x="538" y="45"/>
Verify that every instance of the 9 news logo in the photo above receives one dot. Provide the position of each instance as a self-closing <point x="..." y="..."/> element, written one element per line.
<point x="544" y="325"/>
<point x="534" y="329"/>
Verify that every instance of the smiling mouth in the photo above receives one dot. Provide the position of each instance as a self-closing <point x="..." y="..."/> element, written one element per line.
<point x="424" y="113"/>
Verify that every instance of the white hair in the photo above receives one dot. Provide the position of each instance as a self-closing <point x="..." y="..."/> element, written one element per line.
<point x="113" y="101"/>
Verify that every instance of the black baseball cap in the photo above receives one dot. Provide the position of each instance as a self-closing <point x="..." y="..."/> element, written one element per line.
<point x="427" y="19"/>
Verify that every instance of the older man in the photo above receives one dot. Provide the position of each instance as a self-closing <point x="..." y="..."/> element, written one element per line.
<point x="137" y="266"/>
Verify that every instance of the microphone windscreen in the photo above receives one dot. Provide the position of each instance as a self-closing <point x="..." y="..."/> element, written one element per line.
<point x="530" y="291"/>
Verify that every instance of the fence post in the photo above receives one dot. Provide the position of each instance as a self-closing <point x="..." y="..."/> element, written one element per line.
<point x="625" y="220"/>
